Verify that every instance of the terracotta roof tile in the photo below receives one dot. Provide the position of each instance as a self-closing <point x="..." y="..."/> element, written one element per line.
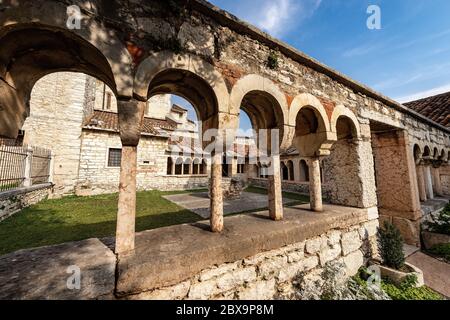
<point x="436" y="108"/>
<point x="103" y="120"/>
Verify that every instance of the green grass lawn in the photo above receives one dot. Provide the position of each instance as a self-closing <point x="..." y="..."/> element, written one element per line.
<point x="77" y="218"/>
<point x="290" y="195"/>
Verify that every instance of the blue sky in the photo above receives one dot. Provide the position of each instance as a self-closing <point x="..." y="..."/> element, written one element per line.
<point x="407" y="59"/>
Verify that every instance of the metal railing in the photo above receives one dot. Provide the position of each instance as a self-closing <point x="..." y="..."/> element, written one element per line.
<point x="23" y="166"/>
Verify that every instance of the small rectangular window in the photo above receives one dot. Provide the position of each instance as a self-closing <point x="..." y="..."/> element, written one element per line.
<point x="114" y="157"/>
<point x="108" y="100"/>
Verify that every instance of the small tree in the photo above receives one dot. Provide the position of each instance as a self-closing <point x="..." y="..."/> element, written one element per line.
<point x="390" y="243"/>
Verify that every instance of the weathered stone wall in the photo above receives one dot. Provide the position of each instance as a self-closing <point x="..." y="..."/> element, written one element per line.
<point x="290" y="186"/>
<point x="57" y="103"/>
<point x="342" y="174"/>
<point x="96" y="177"/>
<point x="14" y="201"/>
<point x="445" y="179"/>
<point x="291" y="272"/>
<point x="397" y="183"/>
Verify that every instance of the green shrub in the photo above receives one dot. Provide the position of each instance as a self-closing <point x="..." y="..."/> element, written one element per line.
<point x="408" y="292"/>
<point x="272" y="60"/>
<point x="390" y="243"/>
<point x="441" y="250"/>
<point x="442" y="223"/>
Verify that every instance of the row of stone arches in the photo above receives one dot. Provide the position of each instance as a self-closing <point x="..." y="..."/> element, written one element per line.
<point x="28" y="52"/>
<point x="428" y="160"/>
<point x="186" y="166"/>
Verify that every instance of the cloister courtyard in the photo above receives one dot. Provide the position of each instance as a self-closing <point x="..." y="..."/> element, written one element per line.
<point x="170" y="151"/>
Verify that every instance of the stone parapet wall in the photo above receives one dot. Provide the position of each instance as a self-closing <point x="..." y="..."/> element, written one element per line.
<point x="289" y="186"/>
<point x="14" y="201"/>
<point x="290" y="272"/>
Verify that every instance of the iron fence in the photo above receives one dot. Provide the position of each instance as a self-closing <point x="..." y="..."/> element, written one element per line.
<point x="23" y="165"/>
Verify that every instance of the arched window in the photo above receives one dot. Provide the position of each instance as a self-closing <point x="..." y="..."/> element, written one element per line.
<point x="203" y="167"/>
<point x="169" y="166"/>
<point x="196" y="166"/>
<point x="290" y="166"/>
<point x="187" y="167"/>
<point x="284" y="172"/>
<point x="304" y="171"/>
<point x="179" y="167"/>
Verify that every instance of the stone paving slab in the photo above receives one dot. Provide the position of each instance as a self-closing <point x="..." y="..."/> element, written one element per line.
<point x="42" y="273"/>
<point x="436" y="273"/>
<point x="199" y="203"/>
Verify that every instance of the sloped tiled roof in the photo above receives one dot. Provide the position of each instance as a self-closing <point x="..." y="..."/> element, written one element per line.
<point x="436" y="108"/>
<point x="109" y="121"/>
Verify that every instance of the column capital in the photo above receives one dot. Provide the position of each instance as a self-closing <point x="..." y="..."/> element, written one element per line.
<point x="131" y="115"/>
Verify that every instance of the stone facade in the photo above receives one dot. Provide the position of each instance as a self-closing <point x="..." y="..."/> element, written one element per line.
<point x="278" y="274"/>
<point x="14" y="201"/>
<point x="60" y="105"/>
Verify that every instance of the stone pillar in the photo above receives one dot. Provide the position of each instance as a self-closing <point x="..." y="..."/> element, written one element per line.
<point x="126" y="214"/>
<point x="216" y="214"/>
<point x="437" y="181"/>
<point x="233" y="167"/>
<point x="296" y="164"/>
<point x="27" y="182"/>
<point x="421" y="183"/>
<point x="274" y="190"/>
<point x="173" y="166"/>
<point x="428" y="182"/>
<point x="131" y="114"/>
<point x="315" y="185"/>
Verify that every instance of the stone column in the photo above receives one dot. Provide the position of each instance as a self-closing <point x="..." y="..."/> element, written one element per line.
<point x="27" y="182"/>
<point x="437" y="181"/>
<point x="315" y="185"/>
<point x="296" y="164"/>
<point x="429" y="182"/>
<point x="421" y="183"/>
<point x="126" y="214"/>
<point x="173" y="166"/>
<point x="274" y="190"/>
<point x="216" y="214"/>
<point x="130" y="114"/>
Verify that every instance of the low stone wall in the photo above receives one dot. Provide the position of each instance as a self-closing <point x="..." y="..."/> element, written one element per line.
<point x="162" y="183"/>
<point x="289" y="186"/>
<point x="291" y="272"/>
<point x="14" y="201"/>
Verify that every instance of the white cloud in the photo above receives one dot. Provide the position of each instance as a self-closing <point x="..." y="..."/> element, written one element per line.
<point x="276" y="17"/>
<point x="424" y="94"/>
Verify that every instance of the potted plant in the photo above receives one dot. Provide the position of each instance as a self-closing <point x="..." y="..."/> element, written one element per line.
<point x="437" y="231"/>
<point x="394" y="267"/>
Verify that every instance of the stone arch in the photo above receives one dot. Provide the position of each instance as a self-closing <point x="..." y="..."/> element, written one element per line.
<point x="196" y="166"/>
<point x="417" y="152"/>
<point x="304" y="171"/>
<point x="179" y="166"/>
<point x="309" y="120"/>
<point x="435" y="153"/>
<point x="170" y="166"/>
<point x="341" y="111"/>
<point x="187" y="166"/>
<point x="264" y="103"/>
<point x="290" y="166"/>
<point x="28" y="52"/>
<point x="47" y="15"/>
<point x="426" y="151"/>
<point x="189" y="77"/>
<point x="284" y="171"/>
